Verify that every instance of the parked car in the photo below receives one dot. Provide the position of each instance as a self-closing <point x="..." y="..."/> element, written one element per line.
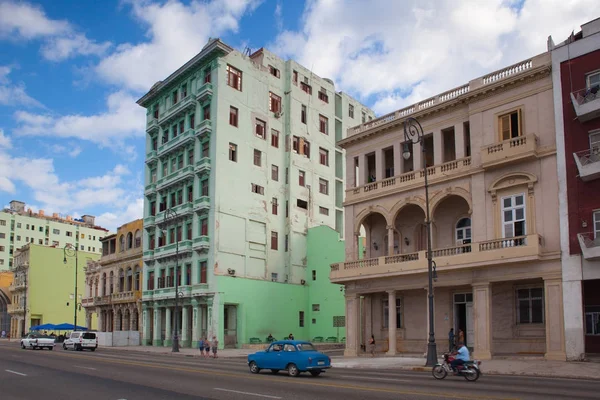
<point x="81" y="341"/>
<point x="294" y="356"/>
<point x="37" y="341"/>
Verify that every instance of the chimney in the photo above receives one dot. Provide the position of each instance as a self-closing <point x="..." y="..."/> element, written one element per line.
<point x="88" y="219"/>
<point x="69" y="218"/>
<point x="54" y="215"/>
<point x="17" y="206"/>
<point x="41" y="212"/>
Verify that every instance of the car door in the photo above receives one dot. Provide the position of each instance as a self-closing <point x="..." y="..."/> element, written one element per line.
<point x="267" y="361"/>
<point x="289" y="356"/>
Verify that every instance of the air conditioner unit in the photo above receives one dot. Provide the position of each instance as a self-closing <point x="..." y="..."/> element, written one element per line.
<point x="302" y="282"/>
<point x="463" y="241"/>
<point x="277" y="115"/>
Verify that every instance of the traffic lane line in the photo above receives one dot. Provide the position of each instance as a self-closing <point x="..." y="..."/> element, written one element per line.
<point x="15" y="372"/>
<point x="266" y="396"/>
<point x="375" y="378"/>
<point x="81" y="366"/>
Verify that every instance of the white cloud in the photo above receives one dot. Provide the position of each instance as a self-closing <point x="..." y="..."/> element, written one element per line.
<point x="133" y="210"/>
<point x="431" y="48"/>
<point x="176" y="33"/>
<point x="12" y="94"/>
<point x="5" y="142"/>
<point x="25" y="21"/>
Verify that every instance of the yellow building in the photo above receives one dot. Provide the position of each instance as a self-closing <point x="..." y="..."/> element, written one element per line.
<point x="6" y="279"/>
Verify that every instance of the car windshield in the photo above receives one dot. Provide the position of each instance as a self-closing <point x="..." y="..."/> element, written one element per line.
<point x="89" y="335"/>
<point x="306" y="347"/>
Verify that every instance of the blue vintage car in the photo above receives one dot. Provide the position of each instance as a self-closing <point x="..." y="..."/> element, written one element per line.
<point x="295" y="356"/>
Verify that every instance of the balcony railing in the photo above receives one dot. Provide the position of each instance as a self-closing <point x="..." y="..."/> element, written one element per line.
<point x="408" y="180"/>
<point x="150" y="188"/>
<point x="151" y="156"/>
<point x="186" y="104"/>
<point x="203" y="166"/>
<point x="149" y="221"/>
<point x="152" y="125"/>
<point x="588" y="164"/>
<point x="180" y="140"/>
<point x="512" y="250"/>
<point x="202" y="204"/>
<point x="586" y="103"/>
<point x="87" y="301"/>
<point x="205" y="92"/>
<point x="126" y="297"/>
<point x="204" y="128"/>
<point x="17" y="286"/>
<point x="14" y="308"/>
<point x="590" y="245"/>
<point x="185" y="246"/>
<point x="184" y="173"/>
<point x="201" y="243"/>
<point x="511" y="150"/>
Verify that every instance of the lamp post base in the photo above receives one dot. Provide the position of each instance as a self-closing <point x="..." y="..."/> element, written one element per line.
<point x="175" y="348"/>
<point x="431" y="354"/>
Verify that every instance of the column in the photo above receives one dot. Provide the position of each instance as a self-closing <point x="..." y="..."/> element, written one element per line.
<point x="195" y="323"/>
<point x="88" y="320"/>
<point x="379" y="160"/>
<point x="185" y="324"/>
<point x="398" y="159"/>
<point x="482" y="321"/>
<point x="390" y="243"/>
<point x="132" y="317"/>
<point x="115" y="324"/>
<point x="392" y="322"/>
<point x="157" y="337"/>
<point x="368" y="324"/>
<point x="100" y="314"/>
<point x="555" y="338"/>
<point x="146" y="339"/>
<point x="209" y="319"/>
<point x="362" y="170"/>
<point x="417" y="157"/>
<point x="168" y="330"/>
<point x="438" y="147"/>
<point x="459" y="140"/>
<point x="352" y="325"/>
<point x="356" y="247"/>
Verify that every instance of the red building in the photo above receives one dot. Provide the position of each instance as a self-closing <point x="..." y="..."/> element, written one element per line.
<point x="576" y="86"/>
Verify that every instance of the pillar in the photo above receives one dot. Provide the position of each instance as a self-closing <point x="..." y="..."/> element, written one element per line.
<point x="390" y="243"/>
<point x="185" y="324"/>
<point x="157" y="337"/>
<point x="362" y="170"/>
<point x="168" y="330"/>
<point x="554" y="320"/>
<point x="482" y="321"/>
<point x="379" y="160"/>
<point x="115" y="323"/>
<point x="459" y="140"/>
<point x="398" y="159"/>
<point x="352" y="325"/>
<point x="88" y="320"/>
<point x="195" y="323"/>
<point x="210" y="326"/>
<point x="417" y="157"/>
<point x="146" y="331"/>
<point x="438" y="147"/>
<point x="392" y="322"/>
<point x="100" y="314"/>
<point x="368" y="318"/>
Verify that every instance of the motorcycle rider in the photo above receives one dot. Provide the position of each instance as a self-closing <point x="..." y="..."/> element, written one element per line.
<point x="461" y="356"/>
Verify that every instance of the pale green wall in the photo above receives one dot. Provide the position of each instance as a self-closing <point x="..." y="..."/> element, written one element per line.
<point x="50" y="282"/>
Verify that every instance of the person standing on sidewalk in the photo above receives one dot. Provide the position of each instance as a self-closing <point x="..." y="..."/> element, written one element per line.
<point x="215" y="346"/>
<point x="372" y="345"/>
<point x="201" y="347"/>
<point x="206" y="347"/>
<point x="451" y="339"/>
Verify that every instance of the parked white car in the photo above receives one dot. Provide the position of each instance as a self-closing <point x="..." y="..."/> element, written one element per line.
<point x="81" y="341"/>
<point x="37" y="341"/>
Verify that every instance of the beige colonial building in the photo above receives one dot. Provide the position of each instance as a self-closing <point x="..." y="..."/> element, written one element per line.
<point x="113" y="287"/>
<point x="491" y="162"/>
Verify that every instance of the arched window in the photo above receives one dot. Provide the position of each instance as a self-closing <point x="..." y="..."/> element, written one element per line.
<point x="129" y="279"/>
<point x="137" y="281"/>
<point x="129" y="240"/>
<point x="463" y="231"/>
<point x="122" y="243"/>
<point x="138" y="238"/>
<point x="121" y="280"/>
<point x="104" y="284"/>
<point x="112" y="277"/>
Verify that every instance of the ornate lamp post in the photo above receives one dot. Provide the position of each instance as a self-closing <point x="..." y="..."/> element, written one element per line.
<point x="171" y="217"/>
<point x="72" y="251"/>
<point x="413" y="132"/>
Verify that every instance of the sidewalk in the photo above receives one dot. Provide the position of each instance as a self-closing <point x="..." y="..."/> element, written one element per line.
<point x="531" y="367"/>
<point x="183" y="351"/>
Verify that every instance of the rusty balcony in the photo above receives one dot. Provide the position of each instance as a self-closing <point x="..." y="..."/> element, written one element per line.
<point x="588" y="164"/>
<point x="472" y="255"/>
<point x="512" y="150"/>
<point x="590" y="245"/>
<point x="586" y="103"/>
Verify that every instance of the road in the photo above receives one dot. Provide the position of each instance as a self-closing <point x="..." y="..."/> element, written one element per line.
<point x="109" y="374"/>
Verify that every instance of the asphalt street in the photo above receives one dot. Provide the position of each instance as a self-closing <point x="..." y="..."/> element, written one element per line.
<point x="112" y="374"/>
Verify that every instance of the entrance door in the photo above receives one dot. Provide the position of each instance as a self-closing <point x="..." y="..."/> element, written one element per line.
<point x="230" y="326"/>
<point x="469" y="320"/>
<point x="463" y="316"/>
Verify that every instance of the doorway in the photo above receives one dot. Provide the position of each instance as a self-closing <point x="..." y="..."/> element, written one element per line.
<point x="463" y="316"/>
<point x="230" y="326"/>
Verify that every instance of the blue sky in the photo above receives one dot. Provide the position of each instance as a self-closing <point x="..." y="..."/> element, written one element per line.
<point x="72" y="137"/>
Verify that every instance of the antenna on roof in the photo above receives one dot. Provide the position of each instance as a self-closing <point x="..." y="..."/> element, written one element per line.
<point x="247" y="51"/>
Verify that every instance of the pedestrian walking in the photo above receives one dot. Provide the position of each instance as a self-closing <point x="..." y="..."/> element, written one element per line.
<point x="206" y="347"/>
<point x="215" y="346"/>
<point x="372" y="345"/>
<point x="461" y="336"/>
<point x="201" y="347"/>
<point x="451" y="339"/>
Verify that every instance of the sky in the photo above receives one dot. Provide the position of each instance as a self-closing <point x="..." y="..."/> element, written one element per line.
<point x="72" y="136"/>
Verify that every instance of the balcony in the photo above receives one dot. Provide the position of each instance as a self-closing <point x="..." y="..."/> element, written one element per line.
<point x="149" y="221"/>
<point x="203" y="166"/>
<point x="201" y="243"/>
<point x="408" y="180"/>
<point x="177" y="110"/>
<point x="184" y="209"/>
<point x="586" y="103"/>
<point x="516" y="149"/>
<point x="148" y="255"/>
<point x="185" y="246"/>
<point x="590" y="245"/>
<point x="202" y="205"/>
<point x="176" y="142"/>
<point x="182" y="174"/>
<point x="102" y="300"/>
<point x="204" y="129"/>
<point x="126" y="297"/>
<point x="14" y="309"/>
<point x="150" y="188"/>
<point x="16" y="287"/>
<point x="151" y="156"/>
<point x="499" y="251"/>
<point x="87" y="301"/>
<point x="588" y="164"/>
<point x="152" y="125"/>
<point x="205" y="92"/>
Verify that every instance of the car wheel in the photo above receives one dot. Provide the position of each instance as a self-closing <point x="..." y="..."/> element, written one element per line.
<point x="254" y="368"/>
<point x="293" y="370"/>
<point x="315" y="372"/>
<point x="274" y="371"/>
<point x="79" y="348"/>
<point x="93" y="349"/>
<point x="64" y="346"/>
<point x="22" y="346"/>
<point x="50" y="348"/>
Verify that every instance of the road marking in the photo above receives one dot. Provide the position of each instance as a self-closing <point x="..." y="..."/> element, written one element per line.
<point x="248" y="394"/>
<point x="376" y="379"/>
<point x="79" y="366"/>
<point x="15" y="372"/>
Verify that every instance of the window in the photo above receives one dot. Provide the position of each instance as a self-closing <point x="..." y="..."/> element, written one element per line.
<point x="302" y="204"/>
<point x="301" y="319"/>
<point x="363" y="117"/>
<point x="18" y="224"/>
<point x="274" y="206"/>
<point x="323" y="211"/>
<point x="184" y="91"/>
<point x="274" y="277"/>
<point x="324" y="156"/>
<point x="203" y="270"/>
<point x="190" y="157"/>
<point x="274" y="71"/>
<point x="234" y="77"/>
<point x="154" y="143"/>
<point x="275" y="172"/>
<point x="2" y="235"/>
<point x="592" y="321"/>
<point x="204" y="187"/>
<point x="596" y="216"/>
<point x="2" y="222"/>
<point x="232" y="152"/>
<point x="463" y="231"/>
<point x="205" y="149"/>
<point x="257" y="157"/>
<point x="274" y="138"/>
<point x="595" y="143"/>
<point x="190" y="194"/>
<point x="386" y="315"/>
<point x="323" y="186"/>
<point x="306" y="87"/>
<point x="301" y="178"/>
<point x="207" y="75"/>
<point x="56" y="231"/>
<point x="350" y="110"/>
<point x="204" y="227"/>
<point x="174" y="97"/>
<point x="295" y="77"/>
<point x="301" y="146"/>
<point x="513" y="216"/>
<point x="530" y="306"/>
<point x="303" y="114"/>
<point x="18" y="238"/>
<point x="260" y="129"/>
<point x="510" y="125"/>
<point x="314" y="275"/>
<point x="274" y="240"/>
<point x="316" y="307"/>
<point x="323" y="95"/>
<point x="192" y="121"/>
<point x="180" y="161"/>
<point x="181" y="126"/>
<point x="274" y="103"/>
<point x="258" y="189"/>
<point x="2" y="248"/>
<point x="592" y="79"/>
<point x="233" y="116"/>
<point x="323" y="125"/>
<point x="287" y="208"/>
<point x="206" y="112"/>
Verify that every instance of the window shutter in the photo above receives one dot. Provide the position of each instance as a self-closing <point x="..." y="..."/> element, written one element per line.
<point x="505" y="127"/>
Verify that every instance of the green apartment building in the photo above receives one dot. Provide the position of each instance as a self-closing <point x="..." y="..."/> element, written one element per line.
<point x="242" y="147"/>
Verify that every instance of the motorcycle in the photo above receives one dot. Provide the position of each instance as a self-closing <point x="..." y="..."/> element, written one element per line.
<point x="469" y="370"/>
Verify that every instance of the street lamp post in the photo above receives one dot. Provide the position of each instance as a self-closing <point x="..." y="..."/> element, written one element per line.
<point x="71" y="251"/>
<point x="171" y="216"/>
<point x="413" y="132"/>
